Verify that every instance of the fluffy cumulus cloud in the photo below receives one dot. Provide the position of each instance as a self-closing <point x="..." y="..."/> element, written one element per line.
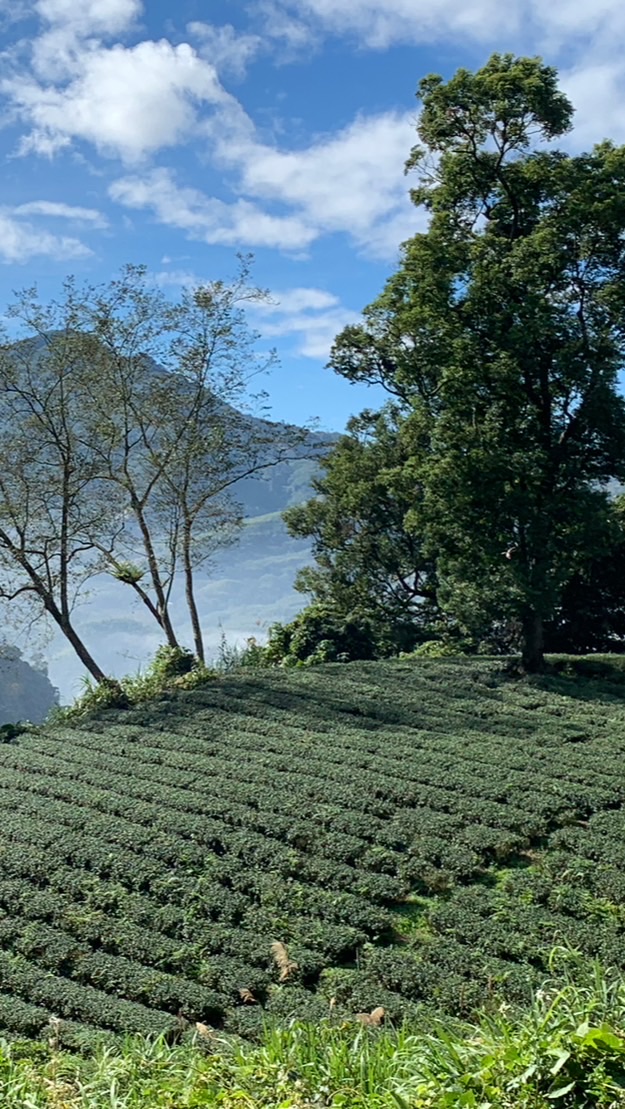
<point x="126" y="101"/>
<point x="20" y="241"/>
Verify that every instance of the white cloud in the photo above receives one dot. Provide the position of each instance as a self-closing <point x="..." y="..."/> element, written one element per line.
<point x="128" y="102"/>
<point x="563" y="22"/>
<point x="90" y="17"/>
<point x="307" y="318"/>
<point x="297" y="300"/>
<point x="20" y="241"/>
<point x="520" y="25"/>
<point x="350" y="182"/>
<point x="177" y="279"/>
<point x="209" y="219"/>
<point x="291" y="33"/>
<point x="597" y="89"/>
<point x="398" y="21"/>
<point x="225" y="48"/>
<point x="313" y="335"/>
<point x="310" y="317"/>
<point x="74" y="27"/>
<point x="61" y="211"/>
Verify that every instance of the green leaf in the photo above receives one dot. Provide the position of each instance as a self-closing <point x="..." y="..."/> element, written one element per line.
<point x="561" y="1091"/>
<point x="562" y="1058"/>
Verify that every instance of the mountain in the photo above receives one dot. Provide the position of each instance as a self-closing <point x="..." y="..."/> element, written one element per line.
<point x="26" y="692"/>
<point x="246" y="588"/>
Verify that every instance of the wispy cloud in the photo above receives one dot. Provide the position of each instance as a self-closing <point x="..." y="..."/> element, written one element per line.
<point x="20" y="241"/>
<point x="207" y="218"/>
<point x="58" y="210"/>
<point x="229" y="51"/>
<point x="379" y="25"/>
<point x="309" y="319"/>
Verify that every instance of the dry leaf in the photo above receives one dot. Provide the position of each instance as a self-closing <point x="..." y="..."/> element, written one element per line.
<point x="247" y="997"/>
<point x="373" y="1019"/>
<point x="285" y="965"/>
<point x="205" y="1032"/>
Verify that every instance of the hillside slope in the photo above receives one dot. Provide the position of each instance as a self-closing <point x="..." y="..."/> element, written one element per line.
<point x="414" y="833"/>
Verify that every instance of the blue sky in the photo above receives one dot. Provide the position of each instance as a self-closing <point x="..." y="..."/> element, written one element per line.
<point x="178" y="134"/>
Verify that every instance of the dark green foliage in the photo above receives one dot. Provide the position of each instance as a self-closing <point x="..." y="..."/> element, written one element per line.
<point x="321" y="633"/>
<point x="419" y="834"/>
<point x="591" y="614"/>
<point x="500" y="338"/>
<point x="373" y="587"/>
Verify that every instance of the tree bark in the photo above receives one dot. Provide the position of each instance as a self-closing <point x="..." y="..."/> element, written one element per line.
<point x="83" y="654"/>
<point x="533" y="656"/>
<point x="198" y="639"/>
<point x="162" y="607"/>
<point x="64" y="623"/>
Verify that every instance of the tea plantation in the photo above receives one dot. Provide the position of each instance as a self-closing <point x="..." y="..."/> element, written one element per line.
<point x="327" y="841"/>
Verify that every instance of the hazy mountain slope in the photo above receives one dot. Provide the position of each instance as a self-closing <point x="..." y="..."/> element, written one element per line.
<point x="26" y="692"/>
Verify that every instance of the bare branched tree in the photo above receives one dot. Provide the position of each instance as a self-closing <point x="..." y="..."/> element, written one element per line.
<point x="122" y="442"/>
<point x="57" y="522"/>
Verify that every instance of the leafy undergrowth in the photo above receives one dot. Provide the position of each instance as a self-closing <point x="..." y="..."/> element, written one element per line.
<point x="408" y="835"/>
<point x="565" y="1049"/>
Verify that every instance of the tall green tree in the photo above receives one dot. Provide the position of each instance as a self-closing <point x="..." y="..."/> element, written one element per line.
<point x="502" y="334"/>
<point x="367" y="564"/>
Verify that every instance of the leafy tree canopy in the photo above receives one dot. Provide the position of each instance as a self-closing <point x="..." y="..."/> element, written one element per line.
<point x="367" y="563"/>
<point x="501" y="337"/>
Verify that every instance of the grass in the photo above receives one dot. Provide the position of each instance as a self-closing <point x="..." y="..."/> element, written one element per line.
<point x="566" y="1049"/>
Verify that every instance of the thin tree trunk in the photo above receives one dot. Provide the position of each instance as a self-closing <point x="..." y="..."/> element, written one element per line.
<point x="83" y="654"/>
<point x="162" y="607"/>
<point x="61" y="619"/>
<point x="66" y="626"/>
<point x="533" y="656"/>
<point x="198" y="639"/>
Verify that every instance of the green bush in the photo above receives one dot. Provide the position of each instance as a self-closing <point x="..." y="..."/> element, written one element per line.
<point x="434" y="648"/>
<point x="321" y="634"/>
<point x="171" y="668"/>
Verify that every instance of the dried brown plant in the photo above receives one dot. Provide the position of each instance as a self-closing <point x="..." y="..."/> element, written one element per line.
<point x="284" y="963"/>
